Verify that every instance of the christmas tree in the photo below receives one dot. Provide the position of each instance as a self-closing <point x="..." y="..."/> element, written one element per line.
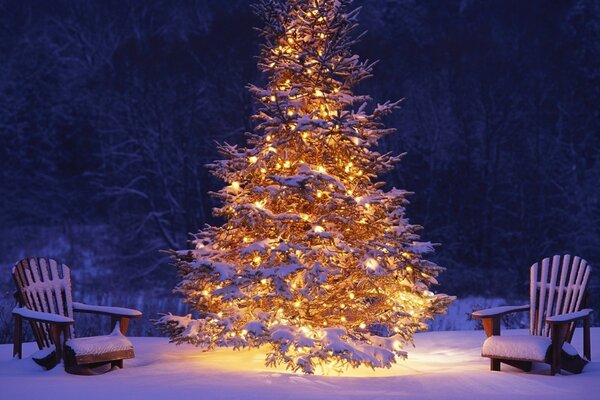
<point x="314" y="260"/>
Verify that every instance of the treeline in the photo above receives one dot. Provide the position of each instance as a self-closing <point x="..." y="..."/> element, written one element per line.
<point x="109" y="111"/>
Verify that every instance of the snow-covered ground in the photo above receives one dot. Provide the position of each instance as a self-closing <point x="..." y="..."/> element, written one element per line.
<point x="444" y="365"/>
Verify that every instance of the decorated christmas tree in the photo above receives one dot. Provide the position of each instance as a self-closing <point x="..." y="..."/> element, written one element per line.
<point x="314" y="260"/>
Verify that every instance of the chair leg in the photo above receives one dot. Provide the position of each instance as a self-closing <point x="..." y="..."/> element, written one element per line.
<point x="123" y="324"/>
<point x="17" y="343"/>
<point x="587" y="348"/>
<point x="55" y="332"/>
<point x="559" y="334"/>
<point x="494" y="364"/>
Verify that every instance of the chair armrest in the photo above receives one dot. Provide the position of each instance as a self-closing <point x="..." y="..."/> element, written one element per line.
<point x="42" y="316"/>
<point x="570" y="317"/>
<point x="499" y="311"/>
<point x="103" y="310"/>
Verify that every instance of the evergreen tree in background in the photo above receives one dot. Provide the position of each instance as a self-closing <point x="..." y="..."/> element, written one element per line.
<point x="314" y="257"/>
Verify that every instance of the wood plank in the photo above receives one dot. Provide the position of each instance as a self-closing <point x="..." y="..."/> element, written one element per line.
<point x="532" y="297"/>
<point x="570" y="283"/>
<point x="543" y="285"/>
<point x="57" y="289"/>
<point x="104" y="357"/>
<point x="551" y="293"/>
<point x="562" y="286"/>
<point x="576" y="287"/>
<point x="45" y="289"/>
<point x="66" y="277"/>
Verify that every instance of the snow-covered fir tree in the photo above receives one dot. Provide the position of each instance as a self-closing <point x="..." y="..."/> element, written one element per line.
<point x="314" y="258"/>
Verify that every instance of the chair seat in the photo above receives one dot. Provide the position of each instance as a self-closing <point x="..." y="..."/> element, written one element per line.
<point x="100" y="348"/>
<point x="521" y="347"/>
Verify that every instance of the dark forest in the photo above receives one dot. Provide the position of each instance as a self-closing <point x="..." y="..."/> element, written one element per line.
<point x="109" y="112"/>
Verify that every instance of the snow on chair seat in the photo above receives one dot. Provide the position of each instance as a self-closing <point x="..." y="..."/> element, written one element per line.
<point x="100" y="348"/>
<point x="527" y="348"/>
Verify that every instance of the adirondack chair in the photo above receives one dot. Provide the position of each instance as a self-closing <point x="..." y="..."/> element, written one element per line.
<point x="557" y="302"/>
<point x="45" y="300"/>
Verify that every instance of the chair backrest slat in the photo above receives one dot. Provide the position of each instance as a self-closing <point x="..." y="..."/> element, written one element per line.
<point x="543" y="290"/>
<point x="44" y="285"/>
<point x="551" y="291"/>
<point x="561" y="288"/>
<point x="570" y="285"/>
<point x="533" y="278"/>
<point x="549" y="297"/>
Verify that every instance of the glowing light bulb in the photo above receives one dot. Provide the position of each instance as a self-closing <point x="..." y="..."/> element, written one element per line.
<point x="408" y="269"/>
<point x="318" y="93"/>
<point x="259" y="205"/>
<point x="205" y="293"/>
<point x="263" y="171"/>
<point x="246" y="240"/>
<point x="263" y="281"/>
<point x="297" y="304"/>
<point x="290" y="112"/>
<point x="371" y="263"/>
<point x="273" y="98"/>
<point x="269" y="137"/>
<point x="290" y="40"/>
<point x="321" y="169"/>
<point x="286" y="164"/>
<point x="319" y="229"/>
<point x="252" y="159"/>
<point x="343" y="319"/>
<point x="308" y="71"/>
<point x="362" y="325"/>
<point x="351" y="295"/>
<point x="257" y="259"/>
<point x="235" y="185"/>
<point x="319" y="194"/>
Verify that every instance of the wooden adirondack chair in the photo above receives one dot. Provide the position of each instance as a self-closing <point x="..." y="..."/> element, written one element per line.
<point x="557" y="299"/>
<point x="45" y="300"/>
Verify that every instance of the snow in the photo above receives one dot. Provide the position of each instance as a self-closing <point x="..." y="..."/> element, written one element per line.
<point x="100" y="344"/>
<point x="494" y="311"/>
<point x="524" y="347"/>
<point x="570" y="316"/>
<point x="126" y="312"/>
<point x="444" y="365"/>
<point x="27" y="313"/>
